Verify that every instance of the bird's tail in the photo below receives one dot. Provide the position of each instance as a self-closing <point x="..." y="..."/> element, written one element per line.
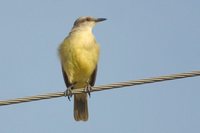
<point x="80" y="107"/>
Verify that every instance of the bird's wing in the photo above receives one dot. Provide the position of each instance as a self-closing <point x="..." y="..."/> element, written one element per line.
<point x="67" y="83"/>
<point x="93" y="77"/>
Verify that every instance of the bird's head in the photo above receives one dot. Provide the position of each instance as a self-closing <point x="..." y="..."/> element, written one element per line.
<point x="88" y="22"/>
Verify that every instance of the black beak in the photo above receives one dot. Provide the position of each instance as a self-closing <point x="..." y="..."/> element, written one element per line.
<point x="100" y="19"/>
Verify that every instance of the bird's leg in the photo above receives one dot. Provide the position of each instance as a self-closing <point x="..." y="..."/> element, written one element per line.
<point x="88" y="88"/>
<point x="68" y="92"/>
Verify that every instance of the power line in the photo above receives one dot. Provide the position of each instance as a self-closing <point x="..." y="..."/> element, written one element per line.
<point x="103" y="87"/>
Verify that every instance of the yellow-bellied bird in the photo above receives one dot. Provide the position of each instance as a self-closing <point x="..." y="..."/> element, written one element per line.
<point x="79" y="54"/>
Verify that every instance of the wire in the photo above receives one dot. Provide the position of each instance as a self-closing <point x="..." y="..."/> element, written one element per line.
<point x="102" y="87"/>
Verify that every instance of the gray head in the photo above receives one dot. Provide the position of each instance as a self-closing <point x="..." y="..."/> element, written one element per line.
<point x="87" y="21"/>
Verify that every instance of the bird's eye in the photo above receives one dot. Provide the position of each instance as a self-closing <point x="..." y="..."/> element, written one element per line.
<point x="88" y="19"/>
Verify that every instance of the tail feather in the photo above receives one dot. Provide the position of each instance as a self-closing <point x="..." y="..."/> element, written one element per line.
<point x="80" y="107"/>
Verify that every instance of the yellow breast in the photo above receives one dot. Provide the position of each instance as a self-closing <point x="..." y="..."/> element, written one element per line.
<point x="79" y="56"/>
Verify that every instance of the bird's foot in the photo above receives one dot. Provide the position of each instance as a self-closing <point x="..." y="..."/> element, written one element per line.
<point x="88" y="89"/>
<point x="68" y="92"/>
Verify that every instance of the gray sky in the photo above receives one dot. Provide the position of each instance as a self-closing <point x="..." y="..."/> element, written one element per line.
<point x="140" y="39"/>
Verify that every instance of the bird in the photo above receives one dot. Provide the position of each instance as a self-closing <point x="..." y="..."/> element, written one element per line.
<point x="79" y="56"/>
